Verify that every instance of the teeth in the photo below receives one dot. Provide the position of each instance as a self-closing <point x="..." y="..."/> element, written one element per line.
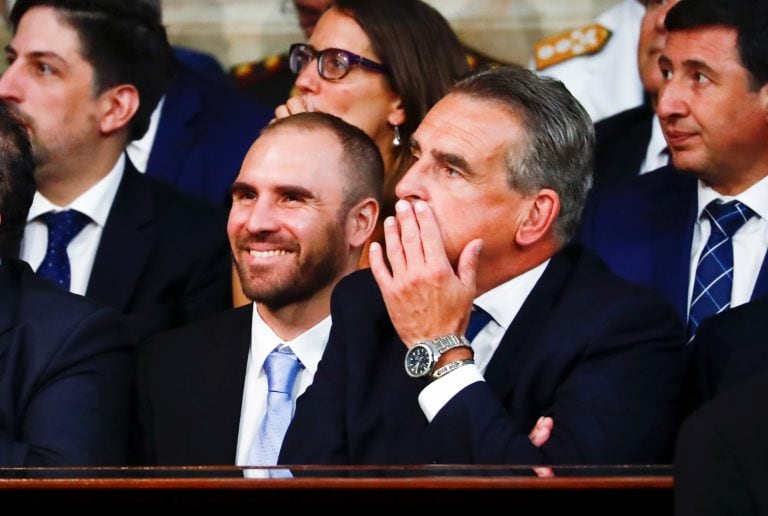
<point x="266" y="254"/>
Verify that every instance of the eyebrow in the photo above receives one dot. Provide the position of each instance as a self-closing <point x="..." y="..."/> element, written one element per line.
<point x="697" y="64"/>
<point x="36" y="54"/>
<point x="452" y="159"/>
<point x="445" y="157"/>
<point x="240" y="187"/>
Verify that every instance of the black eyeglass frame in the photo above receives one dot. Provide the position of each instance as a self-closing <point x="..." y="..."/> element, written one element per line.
<point x="352" y="58"/>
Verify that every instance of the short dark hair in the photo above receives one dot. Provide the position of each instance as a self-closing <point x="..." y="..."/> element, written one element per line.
<point x="363" y="165"/>
<point x="423" y="54"/>
<point x="125" y="43"/>
<point x="560" y="134"/>
<point x="17" y="181"/>
<point x="747" y="17"/>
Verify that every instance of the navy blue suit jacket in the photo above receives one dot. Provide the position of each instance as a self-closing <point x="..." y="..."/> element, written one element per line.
<point x="205" y="130"/>
<point x="643" y="229"/>
<point x="600" y="356"/>
<point x="190" y="391"/>
<point x="729" y="348"/>
<point x="721" y="460"/>
<point x="164" y="258"/>
<point x="65" y="375"/>
<point x="621" y="143"/>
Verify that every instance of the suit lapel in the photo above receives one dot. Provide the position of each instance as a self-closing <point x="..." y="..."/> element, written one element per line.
<point x="518" y="342"/>
<point x="126" y="241"/>
<point x="671" y="237"/>
<point x="9" y="294"/>
<point x="175" y="133"/>
<point x="219" y="387"/>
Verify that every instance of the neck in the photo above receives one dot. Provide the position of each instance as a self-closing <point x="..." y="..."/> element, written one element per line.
<point x="66" y="178"/>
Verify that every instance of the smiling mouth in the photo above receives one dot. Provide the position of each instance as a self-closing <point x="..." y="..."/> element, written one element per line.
<point x="267" y="254"/>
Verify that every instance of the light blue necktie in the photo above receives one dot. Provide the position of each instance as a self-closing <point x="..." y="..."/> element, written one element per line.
<point x="63" y="226"/>
<point x="281" y="367"/>
<point x="714" y="272"/>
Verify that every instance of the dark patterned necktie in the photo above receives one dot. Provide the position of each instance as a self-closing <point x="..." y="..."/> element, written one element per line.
<point x="63" y="226"/>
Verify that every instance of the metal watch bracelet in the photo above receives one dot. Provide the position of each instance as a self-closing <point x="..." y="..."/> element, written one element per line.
<point x="451" y="366"/>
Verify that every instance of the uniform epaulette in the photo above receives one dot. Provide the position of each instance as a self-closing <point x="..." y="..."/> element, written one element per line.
<point x="586" y="40"/>
<point x="257" y="71"/>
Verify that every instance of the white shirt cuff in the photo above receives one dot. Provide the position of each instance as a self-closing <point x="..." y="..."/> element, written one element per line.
<point x="438" y="393"/>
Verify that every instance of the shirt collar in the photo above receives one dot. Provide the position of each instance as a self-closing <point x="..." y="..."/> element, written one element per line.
<point x="95" y="202"/>
<point x="308" y="346"/>
<point x="504" y="301"/>
<point x="756" y="197"/>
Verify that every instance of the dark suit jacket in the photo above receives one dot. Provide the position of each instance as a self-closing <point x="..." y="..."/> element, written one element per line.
<point x="65" y="375"/>
<point x="729" y="348"/>
<point x="190" y="390"/>
<point x="643" y="229"/>
<point x="601" y="357"/>
<point x="164" y="257"/>
<point x="621" y="145"/>
<point x="721" y="460"/>
<point x="205" y="130"/>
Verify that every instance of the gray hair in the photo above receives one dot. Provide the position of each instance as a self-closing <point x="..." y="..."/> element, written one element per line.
<point x="559" y="150"/>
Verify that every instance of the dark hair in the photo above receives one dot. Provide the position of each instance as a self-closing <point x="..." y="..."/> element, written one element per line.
<point x="560" y="137"/>
<point x="124" y="42"/>
<point x="361" y="159"/>
<point x="423" y="54"/>
<point x="747" y="17"/>
<point x="17" y="181"/>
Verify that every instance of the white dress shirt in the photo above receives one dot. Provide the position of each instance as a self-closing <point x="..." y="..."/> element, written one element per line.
<point x="749" y="243"/>
<point x="657" y="154"/>
<point x="96" y="202"/>
<point x="139" y="150"/>
<point x="308" y="348"/>
<point x="502" y="303"/>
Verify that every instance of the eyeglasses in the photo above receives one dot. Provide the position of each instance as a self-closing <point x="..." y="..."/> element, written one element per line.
<point x="332" y="63"/>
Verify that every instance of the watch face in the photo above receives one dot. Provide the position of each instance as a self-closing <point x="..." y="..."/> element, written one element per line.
<point x="418" y="361"/>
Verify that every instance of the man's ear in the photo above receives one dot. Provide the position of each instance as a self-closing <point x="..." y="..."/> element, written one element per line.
<point x="541" y="215"/>
<point x="361" y="221"/>
<point x="118" y="106"/>
<point x="763" y="94"/>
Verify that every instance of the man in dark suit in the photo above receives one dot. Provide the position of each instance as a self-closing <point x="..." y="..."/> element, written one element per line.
<point x="65" y="362"/>
<point x="305" y="202"/>
<point x="631" y="142"/>
<point x="721" y="458"/>
<point x="200" y="130"/>
<point x="84" y="90"/>
<point x="483" y="218"/>
<point x="656" y="229"/>
<point x="729" y="348"/>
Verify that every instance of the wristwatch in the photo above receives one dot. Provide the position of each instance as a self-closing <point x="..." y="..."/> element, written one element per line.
<point x="420" y="360"/>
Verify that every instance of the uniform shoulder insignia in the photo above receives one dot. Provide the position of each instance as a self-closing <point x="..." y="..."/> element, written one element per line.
<point x="260" y="70"/>
<point x="586" y="40"/>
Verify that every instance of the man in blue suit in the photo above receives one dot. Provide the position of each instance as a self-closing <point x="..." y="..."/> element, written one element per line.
<point x="656" y="229"/>
<point x="65" y="362"/>
<point x="84" y="78"/>
<point x="200" y="130"/>
<point x="503" y="165"/>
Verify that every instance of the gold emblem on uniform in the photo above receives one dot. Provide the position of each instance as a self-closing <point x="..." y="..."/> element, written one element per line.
<point x="578" y="42"/>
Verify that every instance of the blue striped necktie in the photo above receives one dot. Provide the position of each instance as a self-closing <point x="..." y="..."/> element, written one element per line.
<point x="714" y="271"/>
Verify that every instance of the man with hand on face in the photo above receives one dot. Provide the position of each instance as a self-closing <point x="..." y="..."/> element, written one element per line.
<point x="478" y="246"/>
<point x="304" y="204"/>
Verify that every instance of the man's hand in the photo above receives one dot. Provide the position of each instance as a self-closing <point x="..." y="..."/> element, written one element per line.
<point x="539" y="436"/>
<point x="425" y="297"/>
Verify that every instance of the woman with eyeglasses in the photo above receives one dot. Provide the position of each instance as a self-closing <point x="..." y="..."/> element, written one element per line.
<point x="379" y="65"/>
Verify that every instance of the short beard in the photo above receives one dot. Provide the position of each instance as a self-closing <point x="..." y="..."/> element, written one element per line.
<point x="309" y="276"/>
